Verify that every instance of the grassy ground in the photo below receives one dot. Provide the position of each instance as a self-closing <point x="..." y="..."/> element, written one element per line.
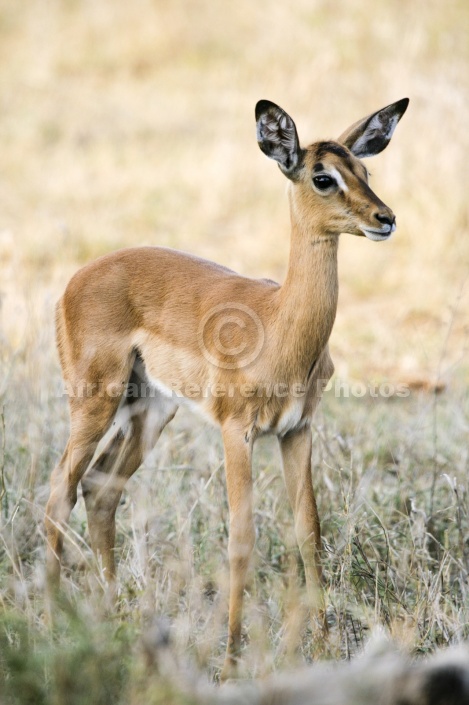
<point x="133" y="124"/>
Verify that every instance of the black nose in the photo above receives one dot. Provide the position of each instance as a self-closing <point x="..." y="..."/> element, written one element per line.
<point x="385" y="219"/>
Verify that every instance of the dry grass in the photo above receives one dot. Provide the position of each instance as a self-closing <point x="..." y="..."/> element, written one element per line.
<point x="132" y="123"/>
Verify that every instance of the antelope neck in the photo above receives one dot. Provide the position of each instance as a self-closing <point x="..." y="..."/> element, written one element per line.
<point x="308" y="297"/>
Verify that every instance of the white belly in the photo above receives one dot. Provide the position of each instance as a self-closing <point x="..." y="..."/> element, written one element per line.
<point x="199" y="404"/>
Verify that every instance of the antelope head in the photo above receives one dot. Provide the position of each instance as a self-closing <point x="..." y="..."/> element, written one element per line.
<point x="328" y="181"/>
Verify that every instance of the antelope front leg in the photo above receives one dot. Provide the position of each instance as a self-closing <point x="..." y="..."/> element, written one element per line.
<point x="296" y="456"/>
<point x="238" y="453"/>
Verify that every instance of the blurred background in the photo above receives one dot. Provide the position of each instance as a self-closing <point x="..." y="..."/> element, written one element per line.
<point x="133" y="123"/>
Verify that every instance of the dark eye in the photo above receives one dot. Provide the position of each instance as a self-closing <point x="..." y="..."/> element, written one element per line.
<point x="324" y="182"/>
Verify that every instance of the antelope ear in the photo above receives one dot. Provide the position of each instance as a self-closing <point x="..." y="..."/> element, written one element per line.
<point x="372" y="134"/>
<point x="277" y="137"/>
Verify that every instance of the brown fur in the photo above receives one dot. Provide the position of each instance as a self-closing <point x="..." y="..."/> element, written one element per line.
<point x="138" y="312"/>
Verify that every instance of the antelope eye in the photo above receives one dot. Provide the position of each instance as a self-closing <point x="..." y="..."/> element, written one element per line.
<point x="323" y="182"/>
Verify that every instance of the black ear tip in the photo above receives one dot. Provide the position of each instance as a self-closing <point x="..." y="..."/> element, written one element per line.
<point x="262" y="106"/>
<point x="402" y="105"/>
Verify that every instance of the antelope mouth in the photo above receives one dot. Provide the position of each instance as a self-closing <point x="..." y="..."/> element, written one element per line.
<point x="379" y="234"/>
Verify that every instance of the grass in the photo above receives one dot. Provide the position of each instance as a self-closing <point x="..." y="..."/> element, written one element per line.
<point x="133" y="124"/>
<point x="390" y="556"/>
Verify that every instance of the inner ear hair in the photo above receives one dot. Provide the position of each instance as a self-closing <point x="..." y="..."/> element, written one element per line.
<point x="277" y="136"/>
<point x="372" y="134"/>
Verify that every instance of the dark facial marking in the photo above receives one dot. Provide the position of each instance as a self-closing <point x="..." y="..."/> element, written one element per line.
<point x="323" y="148"/>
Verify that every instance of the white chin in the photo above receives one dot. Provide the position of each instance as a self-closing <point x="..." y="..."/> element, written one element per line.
<point x="376" y="235"/>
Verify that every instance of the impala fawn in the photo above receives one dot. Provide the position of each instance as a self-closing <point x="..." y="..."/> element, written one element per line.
<point x="251" y="354"/>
